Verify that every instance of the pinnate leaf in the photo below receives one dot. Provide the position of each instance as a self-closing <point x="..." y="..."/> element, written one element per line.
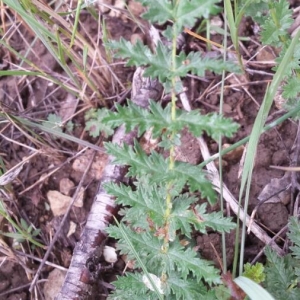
<point x="159" y="120"/>
<point x="292" y="88"/>
<point x="95" y="125"/>
<point x="276" y="25"/>
<point x="186" y="261"/>
<point x="181" y="216"/>
<point x="280" y="276"/>
<point x="186" y="289"/>
<point x="177" y="258"/>
<point x="132" y="115"/>
<point x="159" y="11"/>
<point x="188" y="11"/>
<point x="147" y="201"/>
<point x="137" y="54"/>
<point x="213" y="124"/>
<point x="183" y="13"/>
<point x="141" y="164"/>
<point x="214" y="220"/>
<point x="160" y="63"/>
<point x="131" y="287"/>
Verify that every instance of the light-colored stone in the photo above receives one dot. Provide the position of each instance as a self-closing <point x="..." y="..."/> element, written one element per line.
<point x="136" y="8"/>
<point x="72" y="228"/>
<point x="81" y="163"/>
<point x="53" y="284"/>
<point x="59" y="203"/>
<point x="80" y="197"/>
<point x="65" y="186"/>
<point x="110" y="254"/>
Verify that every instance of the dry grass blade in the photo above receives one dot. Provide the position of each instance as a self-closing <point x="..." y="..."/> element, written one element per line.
<point x="42" y="24"/>
<point x="11" y="174"/>
<point x="291" y="169"/>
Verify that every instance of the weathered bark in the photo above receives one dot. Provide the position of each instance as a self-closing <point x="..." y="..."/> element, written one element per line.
<point x="77" y="285"/>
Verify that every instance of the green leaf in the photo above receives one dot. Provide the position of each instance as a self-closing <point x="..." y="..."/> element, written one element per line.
<point x="140" y="164"/>
<point x="187" y="12"/>
<point x="36" y="232"/>
<point x="137" y="54"/>
<point x="214" y="220"/>
<point x="147" y="246"/>
<point x="257" y="10"/>
<point x="94" y="123"/>
<point x="254" y="272"/>
<point x="53" y="122"/>
<point x="294" y="235"/>
<point x="183" y="13"/>
<point x="158" y="167"/>
<point x="213" y="124"/>
<point x="132" y="116"/>
<point x="159" y="11"/>
<point x="24" y="224"/>
<point x="159" y="120"/>
<point x="147" y="201"/>
<point x="292" y="88"/>
<point x="221" y="293"/>
<point x="185" y="289"/>
<point x="70" y="126"/>
<point x="160" y="63"/>
<point x="157" y="261"/>
<point x="131" y="287"/>
<point x="182" y="217"/>
<point x="281" y="277"/>
<point x="186" y="262"/>
<point x="292" y="64"/>
<point x="196" y="64"/>
<point x="278" y="22"/>
<point x="195" y="178"/>
<point x="19" y="237"/>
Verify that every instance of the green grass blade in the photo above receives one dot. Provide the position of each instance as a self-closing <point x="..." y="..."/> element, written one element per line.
<point x="220" y="148"/>
<point x="60" y="48"/>
<point x="252" y="289"/>
<point x="75" y="23"/>
<point x="56" y="133"/>
<point x="231" y="22"/>
<point x="19" y="73"/>
<point x="84" y="57"/>
<point x="255" y="134"/>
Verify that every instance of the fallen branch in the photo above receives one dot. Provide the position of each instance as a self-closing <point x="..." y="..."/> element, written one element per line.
<point x="77" y="284"/>
<point x="101" y="214"/>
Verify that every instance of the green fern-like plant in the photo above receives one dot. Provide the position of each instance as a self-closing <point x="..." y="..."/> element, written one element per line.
<point x="156" y="214"/>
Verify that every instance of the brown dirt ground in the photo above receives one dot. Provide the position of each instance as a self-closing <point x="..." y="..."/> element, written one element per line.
<point x="275" y="148"/>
